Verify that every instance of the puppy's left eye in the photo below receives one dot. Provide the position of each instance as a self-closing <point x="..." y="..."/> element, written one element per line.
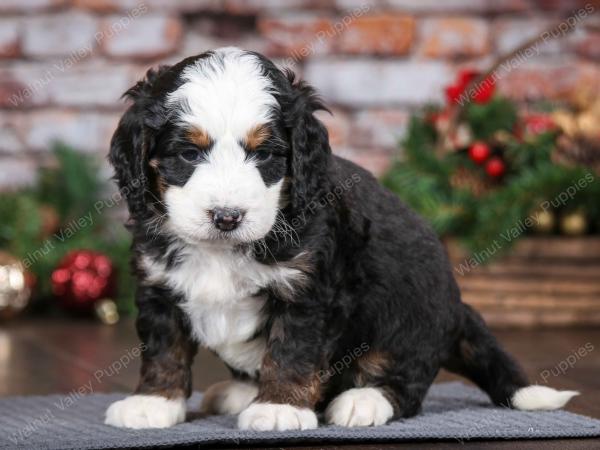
<point x="190" y="155"/>
<point x="262" y="156"/>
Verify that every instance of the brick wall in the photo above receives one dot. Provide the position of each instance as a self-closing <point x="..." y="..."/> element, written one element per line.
<point x="64" y="63"/>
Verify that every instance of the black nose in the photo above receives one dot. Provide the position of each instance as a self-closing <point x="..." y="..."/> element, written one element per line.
<point x="226" y="219"/>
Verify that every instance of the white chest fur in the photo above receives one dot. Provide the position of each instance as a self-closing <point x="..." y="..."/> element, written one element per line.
<point x="221" y="289"/>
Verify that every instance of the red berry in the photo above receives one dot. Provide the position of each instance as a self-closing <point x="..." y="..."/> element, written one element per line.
<point x="479" y="152"/>
<point x="539" y="123"/>
<point x="481" y="92"/>
<point x="453" y="94"/>
<point x="484" y="91"/>
<point x="465" y="76"/>
<point x="495" y="167"/>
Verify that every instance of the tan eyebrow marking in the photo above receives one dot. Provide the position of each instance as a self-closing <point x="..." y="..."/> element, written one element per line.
<point x="256" y="136"/>
<point x="199" y="137"/>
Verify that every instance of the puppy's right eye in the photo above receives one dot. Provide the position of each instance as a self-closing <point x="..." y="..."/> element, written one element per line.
<point x="190" y="156"/>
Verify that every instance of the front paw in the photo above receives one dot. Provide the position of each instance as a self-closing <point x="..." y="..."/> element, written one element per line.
<point x="145" y="411"/>
<point x="280" y="417"/>
<point x="359" y="407"/>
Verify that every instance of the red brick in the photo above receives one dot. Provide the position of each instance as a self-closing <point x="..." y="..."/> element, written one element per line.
<point x="25" y="84"/>
<point x="505" y="6"/>
<point x="549" y="80"/>
<point x="59" y="34"/>
<point x="589" y="46"/>
<point x="442" y="6"/>
<point x="88" y="132"/>
<point x="455" y="37"/>
<point x="562" y="5"/>
<point x="379" y="128"/>
<point x="90" y="85"/>
<point x="509" y="34"/>
<point x="28" y="6"/>
<point x="378" y="82"/>
<point x="297" y="36"/>
<point x="83" y="84"/>
<point x="185" y="6"/>
<point x="204" y="36"/>
<point x="13" y="94"/>
<point x="254" y="6"/>
<point x="12" y="127"/>
<point x="105" y="6"/>
<point x="9" y="38"/>
<point x="338" y="126"/>
<point x="381" y="34"/>
<point x="143" y="37"/>
<point x="193" y="43"/>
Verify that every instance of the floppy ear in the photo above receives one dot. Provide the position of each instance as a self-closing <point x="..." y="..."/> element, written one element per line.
<point x="132" y="142"/>
<point x="309" y="142"/>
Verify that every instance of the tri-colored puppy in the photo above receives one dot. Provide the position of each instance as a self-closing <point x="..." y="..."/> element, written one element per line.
<point x="252" y="239"/>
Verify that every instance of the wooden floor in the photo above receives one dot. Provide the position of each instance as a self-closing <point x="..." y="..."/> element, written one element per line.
<point x="59" y="355"/>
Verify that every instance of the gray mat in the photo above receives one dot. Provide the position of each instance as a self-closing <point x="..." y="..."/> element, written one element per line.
<point x="451" y="411"/>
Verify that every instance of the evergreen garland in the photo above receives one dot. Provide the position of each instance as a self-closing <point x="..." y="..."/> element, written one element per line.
<point x="425" y="177"/>
<point x="70" y="191"/>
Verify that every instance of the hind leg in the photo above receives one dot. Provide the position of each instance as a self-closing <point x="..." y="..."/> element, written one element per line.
<point x="384" y="387"/>
<point x="479" y="357"/>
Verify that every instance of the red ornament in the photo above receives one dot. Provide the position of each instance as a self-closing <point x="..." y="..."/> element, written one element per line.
<point x="539" y="123"/>
<point x="453" y="94"/>
<point x="479" y="152"/>
<point x="495" y="167"/>
<point x="482" y="92"/>
<point x="82" y="278"/>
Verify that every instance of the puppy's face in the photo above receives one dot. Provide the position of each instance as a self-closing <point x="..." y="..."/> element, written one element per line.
<point x="212" y="148"/>
<point x="221" y="157"/>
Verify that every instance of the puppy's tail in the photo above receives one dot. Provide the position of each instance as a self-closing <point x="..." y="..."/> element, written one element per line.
<point x="478" y="356"/>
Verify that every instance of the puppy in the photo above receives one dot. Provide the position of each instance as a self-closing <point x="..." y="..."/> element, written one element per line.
<point x="318" y="288"/>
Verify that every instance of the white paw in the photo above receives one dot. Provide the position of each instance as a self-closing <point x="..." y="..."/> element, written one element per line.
<point x="270" y="416"/>
<point x="145" y="411"/>
<point x="228" y="397"/>
<point x="535" y="398"/>
<point x="359" y="407"/>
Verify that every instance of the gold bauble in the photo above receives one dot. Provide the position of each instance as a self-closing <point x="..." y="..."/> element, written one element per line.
<point x="589" y="125"/>
<point x="544" y="222"/>
<point x="14" y="291"/>
<point x="567" y="121"/>
<point x="574" y="223"/>
<point x="106" y="311"/>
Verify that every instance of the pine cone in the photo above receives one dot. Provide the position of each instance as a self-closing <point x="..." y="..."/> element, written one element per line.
<point x="578" y="150"/>
<point x="464" y="178"/>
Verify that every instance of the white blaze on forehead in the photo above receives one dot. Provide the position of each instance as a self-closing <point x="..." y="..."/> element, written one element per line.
<point x="226" y="93"/>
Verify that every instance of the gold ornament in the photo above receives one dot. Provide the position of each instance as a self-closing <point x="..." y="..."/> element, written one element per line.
<point x="566" y="121"/>
<point x="544" y="221"/>
<point x="589" y="125"/>
<point x="14" y="291"/>
<point x="107" y="312"/>
<point x="574" y="223"/>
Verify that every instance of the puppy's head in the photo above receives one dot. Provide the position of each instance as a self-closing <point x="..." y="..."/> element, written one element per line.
<point x="215" y="146"/>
